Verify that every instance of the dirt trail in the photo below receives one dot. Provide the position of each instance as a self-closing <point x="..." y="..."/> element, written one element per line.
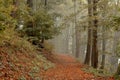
<point x="67" y="68"/>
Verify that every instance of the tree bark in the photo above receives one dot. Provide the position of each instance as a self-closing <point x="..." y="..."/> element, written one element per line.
<point x="77" y="51"/>
<point x="94" y="57"/>
<point x="103" y="48"/>
<point x="89" y="42"/>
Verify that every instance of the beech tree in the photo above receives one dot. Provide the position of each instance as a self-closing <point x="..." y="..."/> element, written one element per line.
<point x="94" y="58"/>
<point x="89" y="42"/>
<point x="92" y="34"/>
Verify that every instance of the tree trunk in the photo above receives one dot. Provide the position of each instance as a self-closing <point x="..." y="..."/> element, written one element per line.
<point x="89" y="42"/>
<point x="43" y="39"/>
<point x="76" y="32"/>
<point x="103" y="48"/>
<point x="94" y="57"/>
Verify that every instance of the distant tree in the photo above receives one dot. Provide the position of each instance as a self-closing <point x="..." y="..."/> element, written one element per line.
<point x="77" y="51"/>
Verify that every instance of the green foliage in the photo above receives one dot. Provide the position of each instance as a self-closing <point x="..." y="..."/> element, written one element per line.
<point x="22" y="13"/>
<point x="10" y="37"/>
<point x="34" y="71"/>
<point x="44" y="24"/>
<point x="42" y="27"/>
<point x="6" y="20"/>
<point x="13" y="43"/>
<point x="45" y="65"/>
<point x="97" y="72"/>
<point x="48" y="66"/>
<point x="116" y="22"/>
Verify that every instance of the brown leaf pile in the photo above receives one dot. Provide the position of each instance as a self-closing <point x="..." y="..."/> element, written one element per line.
<point x="67" y="68"/>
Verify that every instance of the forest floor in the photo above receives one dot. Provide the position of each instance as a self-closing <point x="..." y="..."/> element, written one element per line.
<point x="19" y="64"/>
<point x="68" y="68"/>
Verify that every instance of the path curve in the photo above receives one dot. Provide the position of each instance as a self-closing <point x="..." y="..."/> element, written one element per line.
<point x="67" y="68"/>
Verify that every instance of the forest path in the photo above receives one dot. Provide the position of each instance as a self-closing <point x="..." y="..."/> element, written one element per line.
<point x="67" y="68"/>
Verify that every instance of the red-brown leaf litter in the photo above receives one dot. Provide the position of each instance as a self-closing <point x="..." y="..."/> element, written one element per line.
<point x="67" y="68"/>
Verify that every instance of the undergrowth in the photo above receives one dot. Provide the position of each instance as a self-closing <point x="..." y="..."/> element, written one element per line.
<point x="25" y="62"/>
<point x="97" y="72"/>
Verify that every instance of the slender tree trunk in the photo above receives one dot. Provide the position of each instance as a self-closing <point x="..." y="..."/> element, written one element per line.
<point x="88" y="53"/>
<point x="103" y="62"/>
<point x="89" y="42"/>
<point x="104" y="34"/>
<point x="103" y="48"/>
<point x="94" y="57"/>
<point x="76" y="32"/>
<point x="114" y="57"/>
<point x="43" y="39"/>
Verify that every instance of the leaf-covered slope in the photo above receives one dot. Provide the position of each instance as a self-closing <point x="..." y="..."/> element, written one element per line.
<point x="18" y="62"/>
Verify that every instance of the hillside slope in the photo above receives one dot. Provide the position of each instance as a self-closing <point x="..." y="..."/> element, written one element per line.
<point x="20" y="61"/>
